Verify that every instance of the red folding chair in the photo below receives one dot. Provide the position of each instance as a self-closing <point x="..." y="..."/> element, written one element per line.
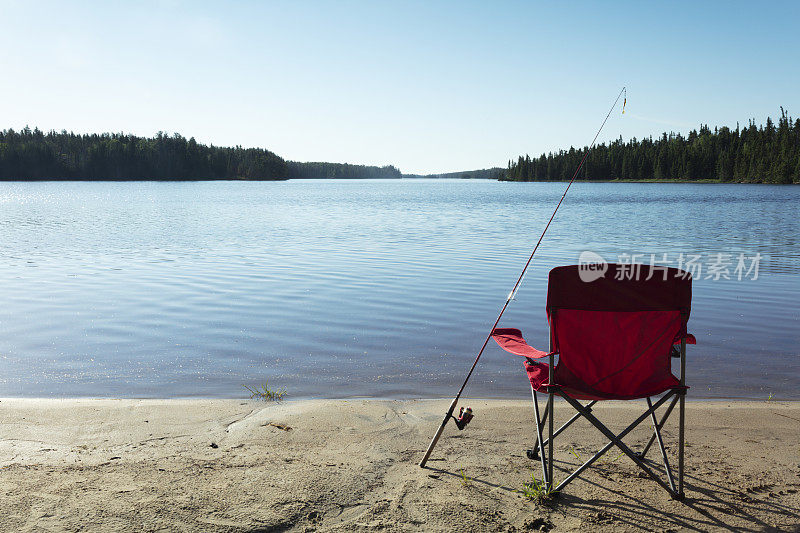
<point x="613" y="338"/>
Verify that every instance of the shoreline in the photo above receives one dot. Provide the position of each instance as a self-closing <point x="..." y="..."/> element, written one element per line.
<point x="681" y="181"/>
<point x="291" y="399"/>
<point x="344" y="465"/>
<point x="199" y="180"/>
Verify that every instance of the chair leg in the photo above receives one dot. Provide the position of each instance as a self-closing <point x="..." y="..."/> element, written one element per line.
<point x="681" y="423"/>
<point x="681" y="418"/>
<point x="534" y="451"/>
<point x="657" y="432"/>
<point x="539" y="428"/>
<point x="664" y="418"/>
<point x="616" y="440"/>
<point x="550" y="440"/>
<point x="633" y="425"/>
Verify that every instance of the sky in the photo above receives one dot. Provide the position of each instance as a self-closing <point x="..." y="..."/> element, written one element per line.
<point x="426" y="86"/>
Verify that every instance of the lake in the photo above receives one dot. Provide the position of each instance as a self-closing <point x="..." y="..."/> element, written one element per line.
<point x="379" y="288"/>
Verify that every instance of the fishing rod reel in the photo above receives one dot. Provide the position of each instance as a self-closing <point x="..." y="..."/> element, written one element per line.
<point x="464" y="418"/>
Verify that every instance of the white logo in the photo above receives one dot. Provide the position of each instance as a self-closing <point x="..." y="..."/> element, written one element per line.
<point x="591" y="266"/>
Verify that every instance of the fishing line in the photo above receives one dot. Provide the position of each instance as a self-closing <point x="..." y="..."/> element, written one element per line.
<point x="519" y="280"/>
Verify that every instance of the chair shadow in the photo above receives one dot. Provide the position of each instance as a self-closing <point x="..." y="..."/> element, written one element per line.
<point x="712" y="501"/>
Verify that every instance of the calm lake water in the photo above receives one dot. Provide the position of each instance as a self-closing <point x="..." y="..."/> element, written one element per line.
<point x="363" y="288"/>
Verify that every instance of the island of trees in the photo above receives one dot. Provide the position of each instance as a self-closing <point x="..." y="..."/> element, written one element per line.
<point x="482" y="174"/>
<point x="341" y="170"/>
<point x="763" y="154"/>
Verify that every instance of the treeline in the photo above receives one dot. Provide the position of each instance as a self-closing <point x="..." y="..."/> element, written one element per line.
<point x="340" y="170"/>
<point x="32" y="154"/>
<point x="484" y="173"/>
<point x="764" y="154"/>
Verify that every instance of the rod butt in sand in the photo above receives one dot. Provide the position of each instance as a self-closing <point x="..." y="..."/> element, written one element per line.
<point x="438" y="433"/>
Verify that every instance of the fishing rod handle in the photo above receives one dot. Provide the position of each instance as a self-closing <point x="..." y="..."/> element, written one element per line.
<point x="438" y="433"/>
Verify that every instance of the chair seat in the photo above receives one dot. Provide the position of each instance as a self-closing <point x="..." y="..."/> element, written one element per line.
<point x="538" y="375"/>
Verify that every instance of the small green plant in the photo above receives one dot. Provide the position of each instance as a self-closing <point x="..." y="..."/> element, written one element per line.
<point x="465" y="481"/>
<point x="573" y="452"/>
<point x="537" y="491"/>
<point x="265" y="393"/>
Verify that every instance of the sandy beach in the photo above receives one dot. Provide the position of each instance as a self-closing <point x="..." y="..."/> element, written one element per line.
<point x="350" y="465"/>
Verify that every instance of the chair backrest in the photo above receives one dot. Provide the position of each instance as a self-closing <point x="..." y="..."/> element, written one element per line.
<point x="614" y="332"/>
<point x="622" y="288"/>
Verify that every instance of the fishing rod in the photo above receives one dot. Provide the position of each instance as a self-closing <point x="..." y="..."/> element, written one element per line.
<point x="465" y="417"/>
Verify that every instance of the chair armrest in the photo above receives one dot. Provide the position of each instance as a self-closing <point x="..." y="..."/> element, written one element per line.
<point x="510" y="339"/>
<point x="674" y="351"/>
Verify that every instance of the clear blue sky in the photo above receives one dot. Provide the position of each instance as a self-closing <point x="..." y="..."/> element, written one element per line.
<point x="427" y="86"/>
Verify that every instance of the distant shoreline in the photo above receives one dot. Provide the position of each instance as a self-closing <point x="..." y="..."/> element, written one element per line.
<point x="187" y="180"/>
